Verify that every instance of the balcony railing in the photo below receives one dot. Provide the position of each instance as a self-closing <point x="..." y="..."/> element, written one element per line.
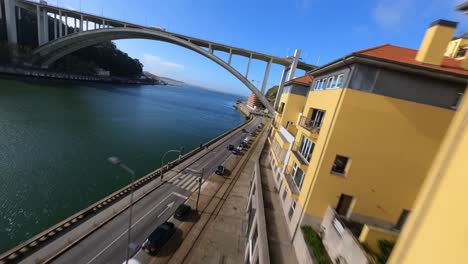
<point x="292" y="185"/>
<point x="311" y="125"/>
<point x="296" y="152"/>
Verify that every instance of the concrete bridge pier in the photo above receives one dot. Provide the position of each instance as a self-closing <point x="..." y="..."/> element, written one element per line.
<point x="42" y="26"/>
<point x="292" y="72"/>
<point x="10" y="20"/>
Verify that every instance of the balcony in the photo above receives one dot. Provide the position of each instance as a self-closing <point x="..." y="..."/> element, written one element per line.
<point x="298" y="155"/>
<point x="355" y="239"/>
<point x="291" y="184"/>
<point x="310" y="125"/>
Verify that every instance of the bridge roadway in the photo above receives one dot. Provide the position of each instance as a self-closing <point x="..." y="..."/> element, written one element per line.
<point x="108" y="244"/>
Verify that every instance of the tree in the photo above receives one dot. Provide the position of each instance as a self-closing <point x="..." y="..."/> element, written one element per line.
<point x="271" y="94"/>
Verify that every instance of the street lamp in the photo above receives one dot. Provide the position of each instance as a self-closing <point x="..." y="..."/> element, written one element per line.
<point x="199" y="183"/>
<point x="118" y="162"/>
<point x="180" y="151"/>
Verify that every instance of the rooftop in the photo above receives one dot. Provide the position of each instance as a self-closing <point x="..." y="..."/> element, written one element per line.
<point x="306" y="79"/>
<point x="407" y="56"/>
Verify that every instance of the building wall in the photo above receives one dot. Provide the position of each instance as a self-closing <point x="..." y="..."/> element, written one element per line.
<point x="293" y="105"/>
<point x="391" y="144"/>
<point x="437" y="230"/>
<point x="406" y="86"/>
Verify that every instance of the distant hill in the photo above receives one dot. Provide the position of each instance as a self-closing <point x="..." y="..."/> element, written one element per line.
<point x="171" y="81"/>
<point x="271" y="94"/>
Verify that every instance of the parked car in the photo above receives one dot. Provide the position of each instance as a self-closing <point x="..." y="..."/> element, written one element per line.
<point x="158" y="238"/>
<point x="230" y="147"/>
<point x="246" y="140"/>
<point x="220" y="170"/>
<point x="235" y="151"/>
<point x="244" y="130"/>
<point x="182" y="211"/>
<point x="243" y="144"/>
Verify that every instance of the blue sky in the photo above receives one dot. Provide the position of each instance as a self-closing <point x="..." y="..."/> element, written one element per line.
<point x="323" y="30"/>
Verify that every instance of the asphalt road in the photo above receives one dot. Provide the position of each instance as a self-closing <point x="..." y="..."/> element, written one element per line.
<point x="109" y="243"/>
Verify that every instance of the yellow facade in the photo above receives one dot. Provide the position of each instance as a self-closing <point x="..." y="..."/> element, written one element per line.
<point x="434" y="44"/>
<point x="390" y="143"/>
<point x="291" y="106"/>
<point x="370" y="236"/>
<point x="437" y="230"/>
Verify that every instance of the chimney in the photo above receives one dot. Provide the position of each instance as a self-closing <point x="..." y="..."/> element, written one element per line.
<point x="435" y="41"/>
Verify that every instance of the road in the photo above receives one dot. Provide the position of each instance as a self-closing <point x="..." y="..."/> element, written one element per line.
<point x="108" y="244"/>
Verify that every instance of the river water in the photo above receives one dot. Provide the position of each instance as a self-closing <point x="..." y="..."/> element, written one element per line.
<point x="55" y="138"/>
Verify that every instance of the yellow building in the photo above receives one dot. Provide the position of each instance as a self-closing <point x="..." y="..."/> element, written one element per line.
<point x="368" y="133"/>
<point x="458" y="47"/>
<point x="284" y="127"/>
<point x="437" y="230"/>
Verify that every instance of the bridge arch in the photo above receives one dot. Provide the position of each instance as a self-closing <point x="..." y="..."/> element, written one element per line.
<point x="50" y="52"/>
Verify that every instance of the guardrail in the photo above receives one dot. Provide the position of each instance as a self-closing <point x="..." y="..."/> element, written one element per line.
<point x="24" y="249"/>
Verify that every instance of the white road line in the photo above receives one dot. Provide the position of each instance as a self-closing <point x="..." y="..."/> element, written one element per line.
<point x="194" y="184"/>
<point x="185" y="180"/>
<point x="115" y="240"/>
<point x="165" y="209"/>
<point x="180" y="195"/>
<point x="189" y="182"/>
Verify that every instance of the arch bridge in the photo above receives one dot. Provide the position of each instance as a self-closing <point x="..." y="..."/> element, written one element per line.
<point x="73" y="30"/>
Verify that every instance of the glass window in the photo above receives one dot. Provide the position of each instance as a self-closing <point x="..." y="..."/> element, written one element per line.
<point x="291" y="209"/>
<point x="331" y="82"/>
<point x="306" y="148"/>
<point x="339" y="81"/>
<point x="284" y="194"/>
<point x="297" y="175"/>
<point x="340" y="165"/>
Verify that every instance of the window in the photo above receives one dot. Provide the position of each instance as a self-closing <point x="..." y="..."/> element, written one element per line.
<point x="291" y="209"/>
<point x="280" y="109"/>
<point x="306" y="148"/>
<point x="339" y="81"/>
<point x="457" y="100"/>
<point x="278" y="177"/>
<point x="297" y="175"/>
<point x="345" y="204"/>
<point x="284" y="194"/>
<point x="402" y="220"/>
<point x="288" y="123"/>
<point x="331" y="82"/>
<point x="340" y="165"/>
<point x="279" y="153"/>
<point x="461" y="52"/>
<point x="317" y="118"/>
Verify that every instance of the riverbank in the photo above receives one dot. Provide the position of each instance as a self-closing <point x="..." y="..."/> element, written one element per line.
<point x="28" y="72"/>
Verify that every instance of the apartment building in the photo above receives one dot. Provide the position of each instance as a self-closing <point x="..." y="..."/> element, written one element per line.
<point x="352" y="151"/>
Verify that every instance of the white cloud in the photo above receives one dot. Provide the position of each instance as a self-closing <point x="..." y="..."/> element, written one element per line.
<point x="388" y="14"/>
<point x="159" y="66"/>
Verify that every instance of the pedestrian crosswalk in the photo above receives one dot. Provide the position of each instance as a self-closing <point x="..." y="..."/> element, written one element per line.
<point x="186" y="181"/>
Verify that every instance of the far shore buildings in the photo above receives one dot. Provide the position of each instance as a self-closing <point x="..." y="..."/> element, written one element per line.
<point x="253" y="102"/>
<point x="353" y="141"/>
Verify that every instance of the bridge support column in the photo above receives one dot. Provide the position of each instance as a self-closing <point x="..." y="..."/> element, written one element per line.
<point x="230" y="57"/>
<point x="10" y="19"/>
<point x="248" y="67"/>
<point x="60" y="24"/>
<point x="265" y="77"/>
<point x="81" y="23"/>
<point x="42" y="26"/>
<point x="66" y="24"/>
<point x="280" y="87"/>
<point x="45" y="26"/>
<point x="55" y="25"/>
<point x="74" y="25"/>
<point x="292" y="72"/>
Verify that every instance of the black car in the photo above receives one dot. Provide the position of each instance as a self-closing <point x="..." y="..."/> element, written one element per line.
<point x="220" y="170"/>
<point x="182" y="211"/>
<point x="235" y="151"/>
<point x="230" y="147"/>
<point x="158" y="238"/>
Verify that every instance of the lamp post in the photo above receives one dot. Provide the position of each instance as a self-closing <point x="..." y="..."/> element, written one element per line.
<point x="180" y="151"/>
<point x="118" y="162"/>
<point x="200" y="178"/>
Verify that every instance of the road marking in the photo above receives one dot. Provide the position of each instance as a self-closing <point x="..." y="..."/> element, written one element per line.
<point x="180" y="195"/>
<point x="115" y="240"/>
<point x="165" y="209"/>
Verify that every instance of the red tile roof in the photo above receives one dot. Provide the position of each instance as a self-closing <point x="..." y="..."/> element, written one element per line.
<point x="306" y="79"/>
<point x="407" y="56"/>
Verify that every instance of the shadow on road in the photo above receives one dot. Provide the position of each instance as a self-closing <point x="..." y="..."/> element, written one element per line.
<point x="173" y="244"/>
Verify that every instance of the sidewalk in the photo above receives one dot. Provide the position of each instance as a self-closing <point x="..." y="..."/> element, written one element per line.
<point x="280" y="246"/>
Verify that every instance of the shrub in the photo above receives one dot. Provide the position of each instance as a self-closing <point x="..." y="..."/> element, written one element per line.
<point x="315" y="245"/>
